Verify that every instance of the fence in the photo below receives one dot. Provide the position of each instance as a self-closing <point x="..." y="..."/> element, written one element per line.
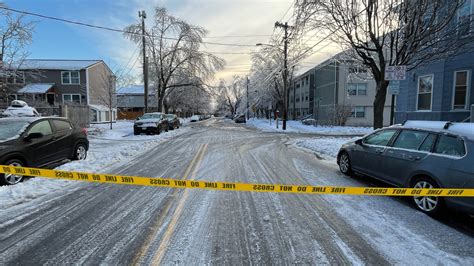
<point x="128" y="115"/>
<point x="78" y="114"/>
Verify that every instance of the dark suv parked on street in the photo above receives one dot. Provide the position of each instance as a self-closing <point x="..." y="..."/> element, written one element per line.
<point x="150" y="123"/>
<point x="173" y="121"/>
<point x="37" y="142"/>
<point x="418" y="154"/>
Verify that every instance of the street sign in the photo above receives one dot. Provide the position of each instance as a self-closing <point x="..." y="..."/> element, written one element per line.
<point x="394" y="87"/>
<point x="395" y="72"/>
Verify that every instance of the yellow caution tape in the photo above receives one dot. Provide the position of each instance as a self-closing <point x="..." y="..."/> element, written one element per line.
<point x="231" y="186"/>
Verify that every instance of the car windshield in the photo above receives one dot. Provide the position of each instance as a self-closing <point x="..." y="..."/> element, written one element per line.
<point x="170" y="116"/>
<point x="150" y="116"/>
<point x="11" y="129"/>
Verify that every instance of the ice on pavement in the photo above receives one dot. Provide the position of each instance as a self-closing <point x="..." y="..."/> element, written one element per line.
<point x="107" y="149"/>
<point x="325" y="147"/>
<point x="298" y="127"/>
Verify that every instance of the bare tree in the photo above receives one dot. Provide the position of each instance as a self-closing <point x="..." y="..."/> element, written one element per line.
<point x="108" y="98"/>
<point x="267" y="77"/>
<point x="173" y="51"/>
<point x="15" y="35"/>
<point x="230" y="96"/>
<point x="380" y="33"/>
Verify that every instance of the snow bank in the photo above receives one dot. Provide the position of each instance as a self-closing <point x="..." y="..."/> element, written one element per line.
<point x="325" y="147"/>
<point x="108" y="148"/>
<point x="298" y="127"/>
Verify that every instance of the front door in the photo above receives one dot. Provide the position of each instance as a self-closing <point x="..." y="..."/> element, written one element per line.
<point x="368" y="156"/>
<point x="42" y="150"/>
<point x="50" y="98"/>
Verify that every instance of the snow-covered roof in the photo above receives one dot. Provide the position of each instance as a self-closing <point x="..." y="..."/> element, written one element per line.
<point x="97" y="107"/>
<point x="36" y="88"/>
<point x="135" y="89"/>
<point x="53" y="64"/>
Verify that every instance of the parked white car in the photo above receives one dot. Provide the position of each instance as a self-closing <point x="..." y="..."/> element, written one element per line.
<point x="20" y="108"/>
<point x="195" y="118"/>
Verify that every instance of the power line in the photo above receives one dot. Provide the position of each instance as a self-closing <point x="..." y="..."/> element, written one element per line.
<point x="238" y="36"/>
<point x="111" y="29"/>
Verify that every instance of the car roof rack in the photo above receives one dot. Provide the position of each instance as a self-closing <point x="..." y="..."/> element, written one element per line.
<point x="427" y="124"/>
<point x="463" y="129"/>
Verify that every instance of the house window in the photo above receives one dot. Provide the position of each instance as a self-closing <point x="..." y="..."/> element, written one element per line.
<point x="357" y="69"/>
<point x="70" y="77"/>
<point x="358" y="112"/>
<point x="71" y="98"/>
<point x="357" y="89"/>
<point x="15" y="77"/>
<point x="461" y="79"/>
<point x="464" y="19"/>
<point x="425" y="92"/>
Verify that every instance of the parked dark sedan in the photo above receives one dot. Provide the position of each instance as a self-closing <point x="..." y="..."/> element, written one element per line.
<point x="37" y="142"/>
<point x="173" y="121"/>
<point x="417" y="155"/>
<point x="150" y="123"/>
<point x="240" y="119"/>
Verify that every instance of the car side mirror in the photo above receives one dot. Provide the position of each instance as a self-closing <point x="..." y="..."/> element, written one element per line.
<point x="34" y="135"/>
<point x="359" y="142"/>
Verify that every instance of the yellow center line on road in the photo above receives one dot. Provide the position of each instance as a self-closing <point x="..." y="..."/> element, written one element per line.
<point x="177" y="214"/>
<point x="197" y="157"/>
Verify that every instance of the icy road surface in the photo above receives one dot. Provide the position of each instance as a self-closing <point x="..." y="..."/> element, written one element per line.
<point x="116" y="224"/>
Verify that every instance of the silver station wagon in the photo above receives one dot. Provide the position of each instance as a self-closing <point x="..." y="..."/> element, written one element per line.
<point x="417" y="154"/>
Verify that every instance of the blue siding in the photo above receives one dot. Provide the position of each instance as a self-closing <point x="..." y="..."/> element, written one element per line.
<point x="443" y="90"/>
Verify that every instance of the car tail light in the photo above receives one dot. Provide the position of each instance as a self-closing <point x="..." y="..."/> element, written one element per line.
<point x="84" y="130"/>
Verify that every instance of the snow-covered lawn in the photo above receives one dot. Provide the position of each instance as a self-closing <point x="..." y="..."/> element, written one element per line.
<point x="108" y="148"/>
<point x="298" y="127"/>
<point x="325" y="147"/>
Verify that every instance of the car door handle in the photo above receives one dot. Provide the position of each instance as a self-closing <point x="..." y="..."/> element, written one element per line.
<point x="379" y="150"/>
<point x="414" y="158"/>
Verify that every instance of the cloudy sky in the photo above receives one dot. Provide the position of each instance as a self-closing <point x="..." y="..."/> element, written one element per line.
<point x="222" y="18"/>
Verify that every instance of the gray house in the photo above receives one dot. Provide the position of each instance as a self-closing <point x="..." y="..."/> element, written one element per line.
<point x="334" y="89"/>
<point x="131" y="101"/>
<point x="61" y="82"/>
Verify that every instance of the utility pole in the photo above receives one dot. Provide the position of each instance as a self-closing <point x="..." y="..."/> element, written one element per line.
<point x="247" y="113"/>
<point x="285" y="71"/>
<point x="142" y="15"/>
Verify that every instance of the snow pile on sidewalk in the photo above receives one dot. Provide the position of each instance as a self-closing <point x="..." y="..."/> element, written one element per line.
<point x="108" y="148"/>
<point x="298" y="127"/>
<point x="326" y="148"/>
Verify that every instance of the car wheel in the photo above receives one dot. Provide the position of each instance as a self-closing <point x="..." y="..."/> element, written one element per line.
<point x="427" y="204"/>
<point x="11" y="179"/>
<point x="80" y="152"/>
<point x="345" y="163"/>
<point x="158" y="130"/>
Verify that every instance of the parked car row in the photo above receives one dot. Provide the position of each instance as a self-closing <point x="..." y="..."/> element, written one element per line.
<point x="155" y="123"/>
<point x="196" y="118"/>
<point x="37" y="142"/>
<point x="418" y="154"/>
<point x="238" y="118"/>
